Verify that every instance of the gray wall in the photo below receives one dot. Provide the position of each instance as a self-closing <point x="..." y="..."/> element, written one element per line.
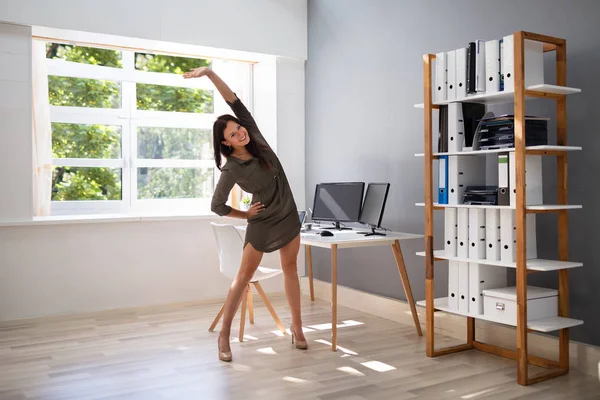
<point x="363" y="75"/>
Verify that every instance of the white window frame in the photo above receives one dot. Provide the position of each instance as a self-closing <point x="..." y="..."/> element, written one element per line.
<point x="129" y="118"/>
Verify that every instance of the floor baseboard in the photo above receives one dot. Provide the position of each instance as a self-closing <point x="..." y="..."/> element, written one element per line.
<point x="584" y="357"/>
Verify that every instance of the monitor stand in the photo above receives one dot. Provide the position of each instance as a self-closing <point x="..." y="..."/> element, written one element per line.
<point x="338" y="227"/>
<point x="372" y="233"/>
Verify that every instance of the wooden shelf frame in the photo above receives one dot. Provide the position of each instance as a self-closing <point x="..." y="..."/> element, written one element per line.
<point x="521" y="355"/>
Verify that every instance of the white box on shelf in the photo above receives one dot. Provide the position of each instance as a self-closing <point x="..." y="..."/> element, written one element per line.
<point x="500" y="304"/>
<point x="533" y="179"/>
<point x="450" y="231"/>
<point x="482" y="277"/>
<point x="463" y="172"/>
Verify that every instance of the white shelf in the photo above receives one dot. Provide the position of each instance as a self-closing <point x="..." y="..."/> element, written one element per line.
<point x="511" y="149"/>
<point x="533" y="207"/>
<point x="539" y="325"/>
<point x="544" y="88"/>
<point x="534" y="264"/>
<point x="466" y="206"/>
<point x="507" y="97"/>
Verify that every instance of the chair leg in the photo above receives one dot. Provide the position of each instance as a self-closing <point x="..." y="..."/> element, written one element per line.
<point x="216" y="321"/>
<point x="265" y="300"/>
<point x="250" y="305"/>
<point x="243" y="318"/>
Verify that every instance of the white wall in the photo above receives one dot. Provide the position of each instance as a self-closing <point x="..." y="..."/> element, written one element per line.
<point x="277" y="27"/>
<point x="68" y="268"/>
<point x="61" y="269"/>
<point x="15" y="122"/>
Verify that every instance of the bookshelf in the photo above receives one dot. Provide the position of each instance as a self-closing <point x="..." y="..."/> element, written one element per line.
<point x="522" y="264"/>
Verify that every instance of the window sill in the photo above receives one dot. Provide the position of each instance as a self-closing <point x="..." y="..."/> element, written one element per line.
<point x="108" y="218"/>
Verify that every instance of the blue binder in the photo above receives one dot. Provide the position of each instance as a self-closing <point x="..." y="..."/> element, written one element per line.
<point x="443" y="180"/>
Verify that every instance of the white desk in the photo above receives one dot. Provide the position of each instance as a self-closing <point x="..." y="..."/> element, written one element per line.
<point x="351" y="239"/>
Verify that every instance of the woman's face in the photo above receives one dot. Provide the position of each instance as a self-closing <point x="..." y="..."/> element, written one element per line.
<point x="235" y="135"/>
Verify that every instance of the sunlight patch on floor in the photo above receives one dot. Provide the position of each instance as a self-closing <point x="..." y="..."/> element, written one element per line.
<point x="351" y="371"/>
<point x="294" y="380"/>
<point x="378" y="366"/>
<point x="347" y="351"/>
<point x="267" y="350"/>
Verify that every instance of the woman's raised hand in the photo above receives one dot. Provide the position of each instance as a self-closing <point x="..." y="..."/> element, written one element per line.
<point x="196" y="72"/>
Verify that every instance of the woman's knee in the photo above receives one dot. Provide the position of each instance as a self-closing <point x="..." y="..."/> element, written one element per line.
<point x="247" y="272"/>
<point x="290" y="268"/>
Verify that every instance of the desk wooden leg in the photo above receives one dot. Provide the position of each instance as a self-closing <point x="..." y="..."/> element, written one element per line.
<point x="310" y="273"/>
<point x="406" y="284"/>
<point x="334" y="297"/>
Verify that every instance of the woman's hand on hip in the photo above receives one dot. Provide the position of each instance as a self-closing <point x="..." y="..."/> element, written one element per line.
<point x="254" y="209"/>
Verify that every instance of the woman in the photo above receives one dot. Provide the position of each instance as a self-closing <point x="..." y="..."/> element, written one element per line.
<point x="273" y="222"/>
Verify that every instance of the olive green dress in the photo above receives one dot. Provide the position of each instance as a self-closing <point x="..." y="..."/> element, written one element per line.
<point x="278" y="223"/>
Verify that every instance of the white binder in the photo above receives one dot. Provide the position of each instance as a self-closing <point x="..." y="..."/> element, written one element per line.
<point x="508" y="63"/>
<point x="480" y="83"/>
<point x="534" y="63"/>
<point x="533" y="179"/>
<point x="441" y="72"/>
<point x="462" y="247"/>
<point x="453" y="267"/>
<point x="463" y="286"/>
<point x="476" y="233"/>
<point x="492" y="66"/>
<point x="483" y="277"/>
<point x="492" y="234"/>
<point x="451" y="77"/>
<point x="450" y="231"/>
<point x="464" y="171"/>
<point x="461" y="73"/>
<point x="508" y="236"/>
<point x="456" y="127"/>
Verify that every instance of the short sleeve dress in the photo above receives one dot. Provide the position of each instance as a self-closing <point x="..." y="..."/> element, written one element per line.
<point x="278" y="223"/>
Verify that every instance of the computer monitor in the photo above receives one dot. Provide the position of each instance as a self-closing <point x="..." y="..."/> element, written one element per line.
<point x="374" y="206"/>
<point x="338" y="202"/>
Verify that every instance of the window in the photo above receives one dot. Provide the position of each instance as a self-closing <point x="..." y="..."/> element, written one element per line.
<point x="129" y="133"/>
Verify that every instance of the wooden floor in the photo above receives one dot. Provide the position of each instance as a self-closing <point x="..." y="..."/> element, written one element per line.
<point x="168" y="353"/>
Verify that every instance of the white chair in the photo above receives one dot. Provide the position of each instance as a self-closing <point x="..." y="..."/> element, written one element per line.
<point x="231" y="246"/>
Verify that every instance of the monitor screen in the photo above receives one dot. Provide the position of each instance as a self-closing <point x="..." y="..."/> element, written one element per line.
<point x="372" y="211"/>
<point x="340" y="202"/>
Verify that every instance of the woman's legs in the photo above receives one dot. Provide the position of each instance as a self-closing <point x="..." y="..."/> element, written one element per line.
<point x="250" y="260"/>
<point x="289" y="264"/>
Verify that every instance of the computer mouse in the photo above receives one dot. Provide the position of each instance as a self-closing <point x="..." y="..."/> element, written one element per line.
<point x="326" y="233"/>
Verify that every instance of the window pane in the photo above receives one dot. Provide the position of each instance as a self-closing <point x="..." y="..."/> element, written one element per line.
<point x="174" y="143"/>
<point x="168" y="64"/>
<point x="84" y="55"/>
<point x="89" y="183"/>
<point x="85" y="141"/>
<point x="171" y="98"/>
<point x="174" y="183"/>
<point x="82" y="92"/>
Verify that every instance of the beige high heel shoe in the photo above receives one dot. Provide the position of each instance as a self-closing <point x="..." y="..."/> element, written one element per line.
<point x="223" y="355"/>
<point x="300" y="344"/>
